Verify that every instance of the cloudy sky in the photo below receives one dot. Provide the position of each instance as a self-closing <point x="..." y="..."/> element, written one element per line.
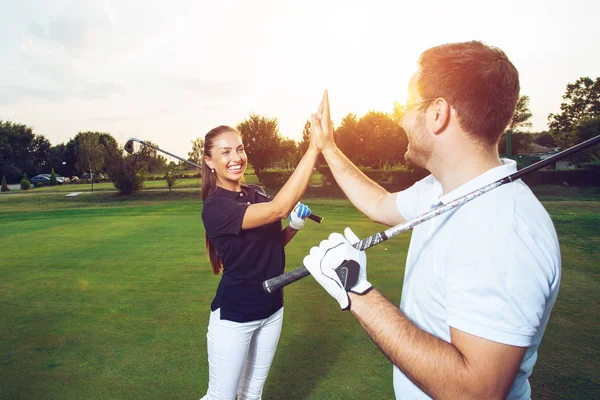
<point x="168" y="71"/>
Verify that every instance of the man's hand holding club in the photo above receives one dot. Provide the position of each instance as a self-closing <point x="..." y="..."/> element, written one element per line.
<point x="323" y="260"/>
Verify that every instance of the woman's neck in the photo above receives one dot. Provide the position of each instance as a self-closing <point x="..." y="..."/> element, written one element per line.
<point x="231" y="186"/>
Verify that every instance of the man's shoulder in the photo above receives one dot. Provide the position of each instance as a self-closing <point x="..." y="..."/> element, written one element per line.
<point x="505" y="203"/>
<point x="508" y="212"/>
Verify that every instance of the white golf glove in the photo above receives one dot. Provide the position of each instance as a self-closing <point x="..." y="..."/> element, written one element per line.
<point x="330" y="254"/>
<point x="298" y="216"/>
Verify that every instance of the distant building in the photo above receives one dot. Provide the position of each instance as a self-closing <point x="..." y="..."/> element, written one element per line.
<point x="535" y="153"/>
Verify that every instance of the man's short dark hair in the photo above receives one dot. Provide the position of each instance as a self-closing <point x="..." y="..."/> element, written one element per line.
<point x="479" y="81"/>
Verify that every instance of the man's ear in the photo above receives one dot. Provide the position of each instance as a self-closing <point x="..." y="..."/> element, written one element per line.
<point x="441" y="115"/>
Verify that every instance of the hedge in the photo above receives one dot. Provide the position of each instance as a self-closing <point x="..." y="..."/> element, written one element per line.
<point x="395" y="181"/>
<point x="577" y="177"/>
<point x="391" y="180"/>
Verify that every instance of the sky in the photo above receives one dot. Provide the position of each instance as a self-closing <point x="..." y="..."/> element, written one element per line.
<point x="169" y="71"/>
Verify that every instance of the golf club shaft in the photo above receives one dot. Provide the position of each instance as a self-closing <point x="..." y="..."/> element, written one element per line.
<point x="273" y="284"/>
<point x="164" y="151"/>
<point x="312" y="216"/>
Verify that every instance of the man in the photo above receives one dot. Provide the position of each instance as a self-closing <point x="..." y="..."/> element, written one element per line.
<point x="480" y="281"/>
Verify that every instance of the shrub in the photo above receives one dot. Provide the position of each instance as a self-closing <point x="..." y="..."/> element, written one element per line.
<point x="581" y="177"/>
<point x="4" y="187"/>
<point x="127" y="173"/>
<point x="274" y="179"/>
<point x="53" y="180"/>
<point x="25" y="185"/>
<point x="393" y="180"/>
<point x="171" y="175"/>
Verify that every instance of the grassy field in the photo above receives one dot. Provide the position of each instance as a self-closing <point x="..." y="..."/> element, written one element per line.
<point x="106" y="296"/>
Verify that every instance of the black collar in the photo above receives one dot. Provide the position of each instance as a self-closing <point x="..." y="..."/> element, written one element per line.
<point x="229" y="194"/>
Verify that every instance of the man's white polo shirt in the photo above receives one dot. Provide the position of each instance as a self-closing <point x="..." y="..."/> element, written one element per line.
<point x="490" y="268"/>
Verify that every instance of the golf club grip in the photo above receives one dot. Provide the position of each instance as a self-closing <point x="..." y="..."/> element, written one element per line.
<point x="276" y="283"/>
<point x="316" y="218"/>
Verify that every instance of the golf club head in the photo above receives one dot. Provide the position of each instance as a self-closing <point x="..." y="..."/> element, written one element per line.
<point x="132" y="146"/>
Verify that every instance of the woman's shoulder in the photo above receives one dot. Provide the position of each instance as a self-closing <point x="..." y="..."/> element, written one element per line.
<point x="255" y="191"/>
<point x="214" y="198"/>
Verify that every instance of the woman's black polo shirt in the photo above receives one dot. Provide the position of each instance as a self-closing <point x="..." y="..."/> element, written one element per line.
<point x="249" y="256"/>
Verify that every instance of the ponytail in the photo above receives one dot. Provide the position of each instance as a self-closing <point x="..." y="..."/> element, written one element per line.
<point x="209" y="184"/>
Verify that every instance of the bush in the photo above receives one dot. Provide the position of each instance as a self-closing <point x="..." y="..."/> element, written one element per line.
<point x="393" y="180"/>
<point x="25" y="184"/>
<point x="53" y="180"/>
<point x="127" y="173"/>
<point x="4" y="187"/>
<point x="171" y="175"/>
<point x="580" y="177"/>
<point x="274" y="179"/>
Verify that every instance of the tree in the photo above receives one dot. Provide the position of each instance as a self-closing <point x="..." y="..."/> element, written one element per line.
<point x="90" y="153"/>
<point x="127" y="173"/>
<point x="261" y="140"/>
<point x="375" y="140"/>
<point x="586" y="129"/>
<point x="22" y="150"/>
<point x="171" y="171"/>
<point x="197" y="152"/>
<point x="288" y="151"/>
<point x="153" y="162"/>
<point x="4" y="187"/>
<point x="53" y="180"/>
<point x="110" y="147"/>
<point x="60" y="159"/>
<point x="346" y="137"/>
<point x="398" y="112"/>
<point x="522" y="115"/>
<point x="544" y="138"/>
<point x="582" y="102"/>
<point x="305" y="142"/>
<point x="520" y="143"/>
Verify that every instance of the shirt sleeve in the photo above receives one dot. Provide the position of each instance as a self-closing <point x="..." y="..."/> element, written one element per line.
<point x="499" y="291"/>
<point x="410" y="201"/>
<point x="222" y="216"/>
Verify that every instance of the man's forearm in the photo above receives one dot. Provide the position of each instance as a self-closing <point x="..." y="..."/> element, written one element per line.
<point x="363" y="192"/>
<point x="434" y="365"/>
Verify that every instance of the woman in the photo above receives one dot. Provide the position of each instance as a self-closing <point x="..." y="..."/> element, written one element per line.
<point x="245" y="240"/>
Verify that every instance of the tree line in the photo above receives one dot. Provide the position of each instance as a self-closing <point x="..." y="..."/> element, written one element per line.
<point x="375" y="140"/>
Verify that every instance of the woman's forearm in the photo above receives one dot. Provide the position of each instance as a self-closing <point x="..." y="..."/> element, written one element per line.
<point x="294" y="188"/>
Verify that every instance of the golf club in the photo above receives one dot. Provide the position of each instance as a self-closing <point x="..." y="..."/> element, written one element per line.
<point x="132" y="146"/>
<point x="348" y="272"/>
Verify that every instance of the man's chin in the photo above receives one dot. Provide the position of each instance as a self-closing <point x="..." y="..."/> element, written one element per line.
<point x="408" y="159"/>
<point x="413" y="161"/>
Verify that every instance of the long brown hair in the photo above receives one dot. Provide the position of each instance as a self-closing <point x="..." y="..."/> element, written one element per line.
<point x="209" y="184"/>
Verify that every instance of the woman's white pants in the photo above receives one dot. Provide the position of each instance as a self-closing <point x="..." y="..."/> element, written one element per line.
<point x="240" y="355"/>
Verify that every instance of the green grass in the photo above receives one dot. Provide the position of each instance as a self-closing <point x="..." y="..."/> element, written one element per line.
<point x="107" y="296"/>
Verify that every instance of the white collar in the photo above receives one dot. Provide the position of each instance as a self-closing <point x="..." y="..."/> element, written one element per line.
<point x="508" y="167"/>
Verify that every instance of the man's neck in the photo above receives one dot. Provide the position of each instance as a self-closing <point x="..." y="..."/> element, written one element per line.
<point x="454" y="169"/>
